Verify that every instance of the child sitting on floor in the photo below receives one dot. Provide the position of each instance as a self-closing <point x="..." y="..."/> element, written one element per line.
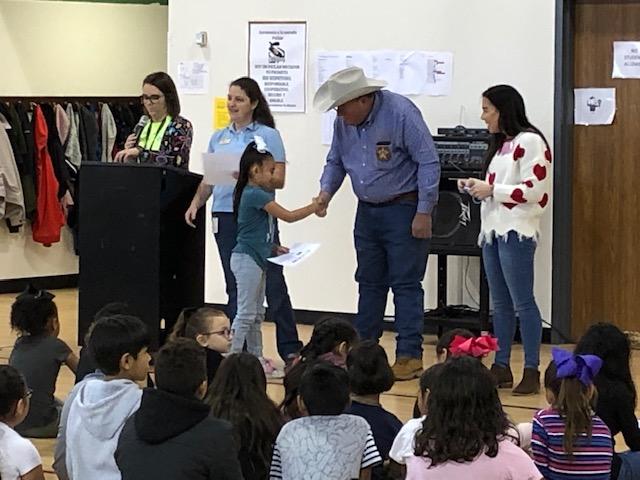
<point x="370" y="375"/>
<point x="569" y="440"/>
<point x="331" y="340"/>
<point x="404" y="442"/>
<point x="466" y="432"/>
<point x="100" y="408"/>
<point x="211" y="329"/>
<point x="38" y="354"/>
<point x="19" y="459"/>
<point x="187" y="443"/>
<point x="239" y="395"/>
<point x="326" y="443"/>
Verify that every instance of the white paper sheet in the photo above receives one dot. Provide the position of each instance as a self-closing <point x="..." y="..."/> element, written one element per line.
<point x="220" y="168"/>
<point x="193" y="78"/>
<point x="328" y="63"/>
<point x="439" y="73"/>
<point x="412" y="73"/>
<point x="594" y="106"/>
<point x="364" y="60"/>
<point x="386" y="65"/>
<point x="626" y="60"/>
<point x="328" y="119"/>
<point x="298" y="253"/>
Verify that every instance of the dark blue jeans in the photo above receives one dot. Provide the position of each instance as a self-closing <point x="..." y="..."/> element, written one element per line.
<point x="508" y="264"/>
<point x="278" y="301"/>
<point x="389" y="257"/>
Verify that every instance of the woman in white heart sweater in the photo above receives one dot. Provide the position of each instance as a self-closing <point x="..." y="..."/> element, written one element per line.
<point x="514" y="195"/>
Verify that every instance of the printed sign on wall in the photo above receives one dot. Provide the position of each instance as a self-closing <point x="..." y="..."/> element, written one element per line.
<point x="626" y="60"/>
<point x="594" y="106"/>
<point x="277" y="61"/>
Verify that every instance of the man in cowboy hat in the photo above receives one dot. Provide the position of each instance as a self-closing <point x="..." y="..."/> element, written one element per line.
<point x="381" y="140"/>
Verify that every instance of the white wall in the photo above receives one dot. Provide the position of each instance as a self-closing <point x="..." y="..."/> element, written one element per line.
<point x="493" y="41"/>
<point x="71" y="49"/>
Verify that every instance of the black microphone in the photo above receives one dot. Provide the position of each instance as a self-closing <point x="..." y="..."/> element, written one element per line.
<point x="137" y="130"/>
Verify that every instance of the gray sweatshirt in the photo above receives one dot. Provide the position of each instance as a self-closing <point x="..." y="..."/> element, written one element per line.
<point x="96" y="416"/>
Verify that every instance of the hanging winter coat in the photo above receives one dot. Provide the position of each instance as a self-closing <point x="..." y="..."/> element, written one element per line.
<point x="49" y="218"/>
<point x="11" y="198"/>
<point x="22" y="143"/>
<point x="56" y="152"/>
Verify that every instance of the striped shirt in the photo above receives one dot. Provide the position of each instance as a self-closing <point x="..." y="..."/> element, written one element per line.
<point x="324" y="448"/>
<point x="591" y="456"/>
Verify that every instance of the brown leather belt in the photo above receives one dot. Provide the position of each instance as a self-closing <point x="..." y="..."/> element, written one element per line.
<point x="403" y="197"/>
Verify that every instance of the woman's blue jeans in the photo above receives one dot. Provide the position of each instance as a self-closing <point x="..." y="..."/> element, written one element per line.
<point x="508" y="263"/>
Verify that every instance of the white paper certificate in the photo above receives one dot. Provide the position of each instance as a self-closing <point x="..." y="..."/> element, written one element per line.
<point x="298" y="253"/>
<point x="220" y="168"/>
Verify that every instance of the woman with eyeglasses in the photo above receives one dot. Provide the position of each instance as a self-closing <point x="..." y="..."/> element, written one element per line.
<point x="250" y="118"/>
<point x="164" y="137"/>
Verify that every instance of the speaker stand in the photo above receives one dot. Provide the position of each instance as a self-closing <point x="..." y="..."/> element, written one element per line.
<point x="448" y="317"/>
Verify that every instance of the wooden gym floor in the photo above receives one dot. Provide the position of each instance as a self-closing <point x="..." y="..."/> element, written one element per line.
<point x="399" y="399"/>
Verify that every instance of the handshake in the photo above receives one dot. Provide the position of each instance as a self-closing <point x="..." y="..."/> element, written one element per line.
<point x="320" y="204"/>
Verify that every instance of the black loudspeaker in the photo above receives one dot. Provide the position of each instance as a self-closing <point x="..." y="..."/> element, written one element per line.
<point x="456" y="225"/>
<point x="135" y="246"/>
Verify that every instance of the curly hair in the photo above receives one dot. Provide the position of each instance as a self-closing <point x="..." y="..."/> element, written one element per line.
<point x="610" y="344"/>
<point x="465" y="415"/>
<point x="30" y="315"/>
<point x="238" y="394"/>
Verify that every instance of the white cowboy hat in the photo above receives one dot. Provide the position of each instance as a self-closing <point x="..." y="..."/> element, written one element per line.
<point x="343" y="86"/>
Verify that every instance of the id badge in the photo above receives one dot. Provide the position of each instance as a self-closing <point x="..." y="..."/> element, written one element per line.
<point x="225" y="141"/>
<point x="214" y="225"/>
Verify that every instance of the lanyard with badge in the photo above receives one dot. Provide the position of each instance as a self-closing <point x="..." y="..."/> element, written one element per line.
<point x="149" y="140"/>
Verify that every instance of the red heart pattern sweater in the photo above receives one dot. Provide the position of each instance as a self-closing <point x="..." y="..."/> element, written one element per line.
<point x="520" y="173"/>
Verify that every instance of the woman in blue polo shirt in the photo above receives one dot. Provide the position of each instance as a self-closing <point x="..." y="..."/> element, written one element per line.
<point x="250" y="117"/>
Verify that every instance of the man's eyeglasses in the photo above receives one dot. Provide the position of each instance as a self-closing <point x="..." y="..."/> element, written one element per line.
<point x="150" y="98"/>
<point x="28" y="395"/>
<point x="225" y="332"/>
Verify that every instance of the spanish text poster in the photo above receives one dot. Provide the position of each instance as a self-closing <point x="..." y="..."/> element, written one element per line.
<point x="594" y="106"/>
<point x="277" y="61"/>
<point x="626" y="60"/>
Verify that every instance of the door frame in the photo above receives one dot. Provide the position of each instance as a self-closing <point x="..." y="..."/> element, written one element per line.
<point x="561" y="256"/>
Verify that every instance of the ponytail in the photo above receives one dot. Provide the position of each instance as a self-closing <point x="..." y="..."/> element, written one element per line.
<point x="194" y="321"/>
<point x="574" y="402"/>
<point x="250" y="157"/>
<point x="327" y="335"/>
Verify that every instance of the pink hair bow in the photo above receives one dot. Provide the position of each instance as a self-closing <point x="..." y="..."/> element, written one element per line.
<point x="477" y="347"/>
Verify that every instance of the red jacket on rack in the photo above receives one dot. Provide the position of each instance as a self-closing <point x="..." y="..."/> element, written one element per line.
<point x="49" y="218"/>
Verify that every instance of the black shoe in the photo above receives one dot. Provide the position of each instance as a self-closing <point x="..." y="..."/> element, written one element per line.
<point x="502" y="375"/>
<point x="530" y="384"/>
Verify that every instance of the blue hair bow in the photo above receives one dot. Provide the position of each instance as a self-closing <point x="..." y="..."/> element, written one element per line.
<point x="582" y="367"/>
